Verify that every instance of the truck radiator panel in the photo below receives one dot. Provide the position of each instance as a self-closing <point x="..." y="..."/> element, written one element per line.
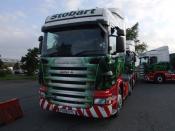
<point x="71" y="85"/>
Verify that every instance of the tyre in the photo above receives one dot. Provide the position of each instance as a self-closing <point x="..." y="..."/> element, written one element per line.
<point x="120" y="101"/>
<point x="133" y="83"/>
<point x="130" y="88"/>
<point x="159" y="79"/>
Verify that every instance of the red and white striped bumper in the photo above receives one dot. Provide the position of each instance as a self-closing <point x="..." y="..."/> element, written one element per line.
<point x="95" y="111"/>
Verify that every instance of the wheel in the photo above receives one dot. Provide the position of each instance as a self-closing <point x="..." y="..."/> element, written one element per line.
<point x="159" y="79"/>
<point x="119" y="105"/>
<point x="133" y="83"/>
<point x="120" y="101"/>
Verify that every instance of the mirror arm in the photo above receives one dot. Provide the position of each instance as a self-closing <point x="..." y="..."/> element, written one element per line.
<point x="114" y="53"/>
<point x="120" y="32"/>
<point x="40" y="39"/>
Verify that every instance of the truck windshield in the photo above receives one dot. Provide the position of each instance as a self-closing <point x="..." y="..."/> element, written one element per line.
<point x="144" y="60"/>
<point x="74" y="42"/>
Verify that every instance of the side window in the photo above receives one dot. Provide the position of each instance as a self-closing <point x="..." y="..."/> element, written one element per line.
<point x="52" y="40"/>
<point x="153" y="60"/>
<point x="144" y="60"/>
<point x="112" y="41"/>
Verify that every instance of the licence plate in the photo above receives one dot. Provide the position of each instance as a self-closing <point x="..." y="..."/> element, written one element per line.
<point x="66" y="111"/>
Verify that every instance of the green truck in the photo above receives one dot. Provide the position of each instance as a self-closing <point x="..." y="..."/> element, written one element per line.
<point x="157" y="65"/>
<point x="85" y="67"/>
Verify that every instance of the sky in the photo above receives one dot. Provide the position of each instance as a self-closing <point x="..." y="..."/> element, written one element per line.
<point x="21" y="21"/>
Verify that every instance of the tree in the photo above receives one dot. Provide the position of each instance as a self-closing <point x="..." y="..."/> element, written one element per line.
<point x="16" y="66"/>
<point x="1" y="64"/>
<point x="30" y="61"/>
<point x="132" y="34"/>
<point x="2" y="71"/>
<point x="140" y="47"/>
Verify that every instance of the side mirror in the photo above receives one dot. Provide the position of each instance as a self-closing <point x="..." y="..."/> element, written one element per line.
<point x="135" y="59"/>
<point x="112" y="30"/>
<point x="40" y="48"/>
<point x="120" y="46"/>
<point x="40" y="38"/>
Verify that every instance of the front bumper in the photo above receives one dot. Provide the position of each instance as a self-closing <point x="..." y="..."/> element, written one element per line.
<point x="95" y="111"/>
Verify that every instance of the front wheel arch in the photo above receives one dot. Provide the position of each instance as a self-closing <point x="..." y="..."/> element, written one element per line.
<point x="120" y="91"/>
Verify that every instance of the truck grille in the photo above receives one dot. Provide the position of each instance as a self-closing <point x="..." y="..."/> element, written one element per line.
<point x="71" y="85"/>
<point x="141" y="71"/>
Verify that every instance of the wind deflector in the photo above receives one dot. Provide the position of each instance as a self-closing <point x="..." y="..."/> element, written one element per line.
<point x="74" y="14"/>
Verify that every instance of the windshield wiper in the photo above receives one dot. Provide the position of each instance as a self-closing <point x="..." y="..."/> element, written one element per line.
<point x="89" y="52"/>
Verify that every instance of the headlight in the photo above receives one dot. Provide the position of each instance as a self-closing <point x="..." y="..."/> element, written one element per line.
<point x="102" y="101"/>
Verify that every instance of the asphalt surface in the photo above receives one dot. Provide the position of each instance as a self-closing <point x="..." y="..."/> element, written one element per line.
<point x="151" y="107"/>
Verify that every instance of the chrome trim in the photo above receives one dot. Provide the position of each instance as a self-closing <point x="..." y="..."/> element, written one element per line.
<point x="70" y="99"/>
<point x="74" y="93"/>
<point x="69" y="78"/>
<point x="70" y="72"/>
<point x="73" y="65"/>
<point x="76" y="86"/>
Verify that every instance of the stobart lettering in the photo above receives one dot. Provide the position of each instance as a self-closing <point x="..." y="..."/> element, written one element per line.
<point x="71" y="14"/>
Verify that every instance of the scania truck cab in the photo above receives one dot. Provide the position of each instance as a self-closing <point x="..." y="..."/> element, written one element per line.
<point x="155" y="65"/>
<point x="82" y="64"/>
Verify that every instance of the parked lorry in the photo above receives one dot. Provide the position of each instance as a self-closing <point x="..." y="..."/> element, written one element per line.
<point x="83" y="63"/>
<point x="155" y="65"/>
